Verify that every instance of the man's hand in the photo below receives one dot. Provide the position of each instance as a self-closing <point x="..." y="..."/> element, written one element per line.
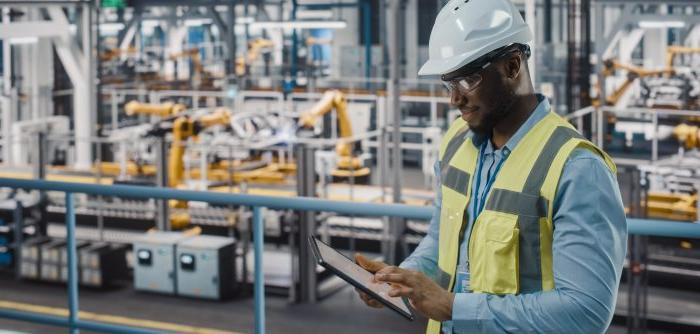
<point x="373" y="267"/>
<point x="424" y="294"/>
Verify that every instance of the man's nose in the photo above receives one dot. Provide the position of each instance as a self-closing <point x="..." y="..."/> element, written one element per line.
<point x="456" y="97"/>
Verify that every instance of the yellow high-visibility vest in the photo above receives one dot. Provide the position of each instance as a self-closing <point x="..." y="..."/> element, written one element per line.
<point x="510" y="245"/>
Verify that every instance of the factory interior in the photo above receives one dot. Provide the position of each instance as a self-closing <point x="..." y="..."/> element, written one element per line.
<point x="156" y="155"/>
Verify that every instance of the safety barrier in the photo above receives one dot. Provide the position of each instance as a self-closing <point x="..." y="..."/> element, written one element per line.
<point x="635" y="226"/>
<point x="256" y="202"/>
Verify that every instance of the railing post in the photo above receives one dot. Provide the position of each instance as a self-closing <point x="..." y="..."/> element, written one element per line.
<point x="72" y="265"/>
<point x="259" y="282"/>
<point x="19" y="237"/>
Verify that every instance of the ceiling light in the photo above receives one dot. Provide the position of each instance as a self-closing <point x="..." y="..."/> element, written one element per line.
<point x="196" y="22"/>
<point x="23" y="40"/>
<point x="314" y="14"/>
<point x="299" y="25"/>
<point x="111" y="27"/>
<point x="661" y="24"/>
<point x="150" y="23"/>
<point x="245" y="20"/>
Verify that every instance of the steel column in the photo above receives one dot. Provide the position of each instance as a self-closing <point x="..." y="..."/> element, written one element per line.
<point x="295" y="42"/>
<point x="19" y="227"/>
<point x="306" y="187"/>
<point x="259" y="282"/>
<point x="394" y="107"/>
<point x="162" y="181"/>
<point x="367" y="32"/>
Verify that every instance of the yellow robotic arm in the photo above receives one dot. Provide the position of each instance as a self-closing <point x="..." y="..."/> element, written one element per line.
<point x="193" y="54"/>
<point x="674" y="50"/>
<point x="163" y="110"/>
<point x="332" y="99"/>
<point x="183" y="128"/>
<point x="255" y="49"/>
<point x="348" y="165"/>
<point x="634" y="72"/>
<point x="688" y="135"/>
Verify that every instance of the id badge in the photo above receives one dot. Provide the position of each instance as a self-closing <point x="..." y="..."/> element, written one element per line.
<point x="462" y="282"/>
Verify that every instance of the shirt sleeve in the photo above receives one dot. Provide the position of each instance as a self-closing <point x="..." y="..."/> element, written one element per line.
<point x="589" y="247"/>
<point x="424" y="257"/>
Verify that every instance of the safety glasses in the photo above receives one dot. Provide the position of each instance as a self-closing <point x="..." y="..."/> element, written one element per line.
<point x="468" y="82"/>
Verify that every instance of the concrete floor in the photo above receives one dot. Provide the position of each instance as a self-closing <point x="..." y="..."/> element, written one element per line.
<point x="339" y="314"/>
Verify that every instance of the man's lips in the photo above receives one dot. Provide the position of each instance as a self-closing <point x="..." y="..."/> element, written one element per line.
<point x="468" y="111"/>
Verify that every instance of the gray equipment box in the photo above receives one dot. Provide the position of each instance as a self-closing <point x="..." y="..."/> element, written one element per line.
<point x="102" y="264"/>
<point x="154" y="261"/>
<point x="206" y="267"/>
<point x="31" y="249"/>
<point x="30" y="266"/>
<point x="50" y="260"/>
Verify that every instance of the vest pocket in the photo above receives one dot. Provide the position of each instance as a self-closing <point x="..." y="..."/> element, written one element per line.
<point x="494" y="253"/>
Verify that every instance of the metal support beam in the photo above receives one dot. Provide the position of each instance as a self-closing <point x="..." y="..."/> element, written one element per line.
<point x="39" y="159"/>
<point x="394" y="108"/>
<point x="74" y="61"/>
<point x="306" y="187"/>
<point x="39" y="29"/>
<point x="131" y="28"/>
<point x="7" y="120"/>
<point x="547" y="22"/>
<point x="295" y="45"/>
<point x="530" y="19"/>
<point x="637" y="278"/>
<point x="19" y="227"/>
<point x="162" y="219"/>
<point x="367" y="33"/>
<point x="231" y="41"/>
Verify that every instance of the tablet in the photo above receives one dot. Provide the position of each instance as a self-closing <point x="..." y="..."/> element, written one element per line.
<point x="352" y="273"/>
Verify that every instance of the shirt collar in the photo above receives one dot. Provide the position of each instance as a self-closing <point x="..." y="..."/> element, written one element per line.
<point x="537" y="115"/>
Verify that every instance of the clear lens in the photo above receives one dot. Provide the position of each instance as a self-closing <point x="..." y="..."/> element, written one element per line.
<point x="465" y="84"/>
<point x="448" y="86"/>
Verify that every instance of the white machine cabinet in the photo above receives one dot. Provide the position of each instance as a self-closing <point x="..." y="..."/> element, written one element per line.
<point x="154" y="261"/>
<point x="206" y="267"/>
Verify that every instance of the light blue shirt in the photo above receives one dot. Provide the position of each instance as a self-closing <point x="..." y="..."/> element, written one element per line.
<point x="589" y="247"/>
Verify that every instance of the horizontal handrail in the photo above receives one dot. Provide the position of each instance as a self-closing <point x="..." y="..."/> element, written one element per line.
<point x="640" y="226"/>
<point x="296" y="203"/>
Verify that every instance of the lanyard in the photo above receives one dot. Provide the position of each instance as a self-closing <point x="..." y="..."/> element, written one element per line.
<point x="481" y="200"/>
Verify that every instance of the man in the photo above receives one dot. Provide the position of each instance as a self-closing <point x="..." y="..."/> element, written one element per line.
<point x="529" y="231"/>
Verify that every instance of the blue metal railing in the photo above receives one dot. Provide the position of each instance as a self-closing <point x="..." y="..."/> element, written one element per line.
<point x="256" y="202"/>
<point x="635" y="226"/>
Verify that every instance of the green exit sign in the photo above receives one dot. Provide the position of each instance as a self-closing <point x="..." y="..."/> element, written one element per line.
<point x="112" y="3"/>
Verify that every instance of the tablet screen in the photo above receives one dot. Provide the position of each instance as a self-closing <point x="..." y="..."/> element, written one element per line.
<point x="358" y="274"/>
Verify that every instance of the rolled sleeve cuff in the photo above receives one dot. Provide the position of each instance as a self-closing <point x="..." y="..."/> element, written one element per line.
<point x="409" y="264"/>
<point x="465" y="312"/>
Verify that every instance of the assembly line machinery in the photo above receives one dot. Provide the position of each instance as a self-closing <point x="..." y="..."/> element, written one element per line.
<point x="225" y="150"/>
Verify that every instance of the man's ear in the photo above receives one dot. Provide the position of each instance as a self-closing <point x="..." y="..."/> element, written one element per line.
<point x="513" y="65"/>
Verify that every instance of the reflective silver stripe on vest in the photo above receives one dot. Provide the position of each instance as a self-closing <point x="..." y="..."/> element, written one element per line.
<point x="452" y="148"/>
<point x="443" y="279"/>
<point x="455" y="179"/>
<point x="513" y="202"/>
<point x="530" y="206"/>
<point x="530" y="261"/>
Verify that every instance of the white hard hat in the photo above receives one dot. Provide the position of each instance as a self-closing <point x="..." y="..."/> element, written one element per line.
<point x="465" y="30"/>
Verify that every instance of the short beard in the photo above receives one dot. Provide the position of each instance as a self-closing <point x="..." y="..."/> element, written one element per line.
<point x="501" y="111"/>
